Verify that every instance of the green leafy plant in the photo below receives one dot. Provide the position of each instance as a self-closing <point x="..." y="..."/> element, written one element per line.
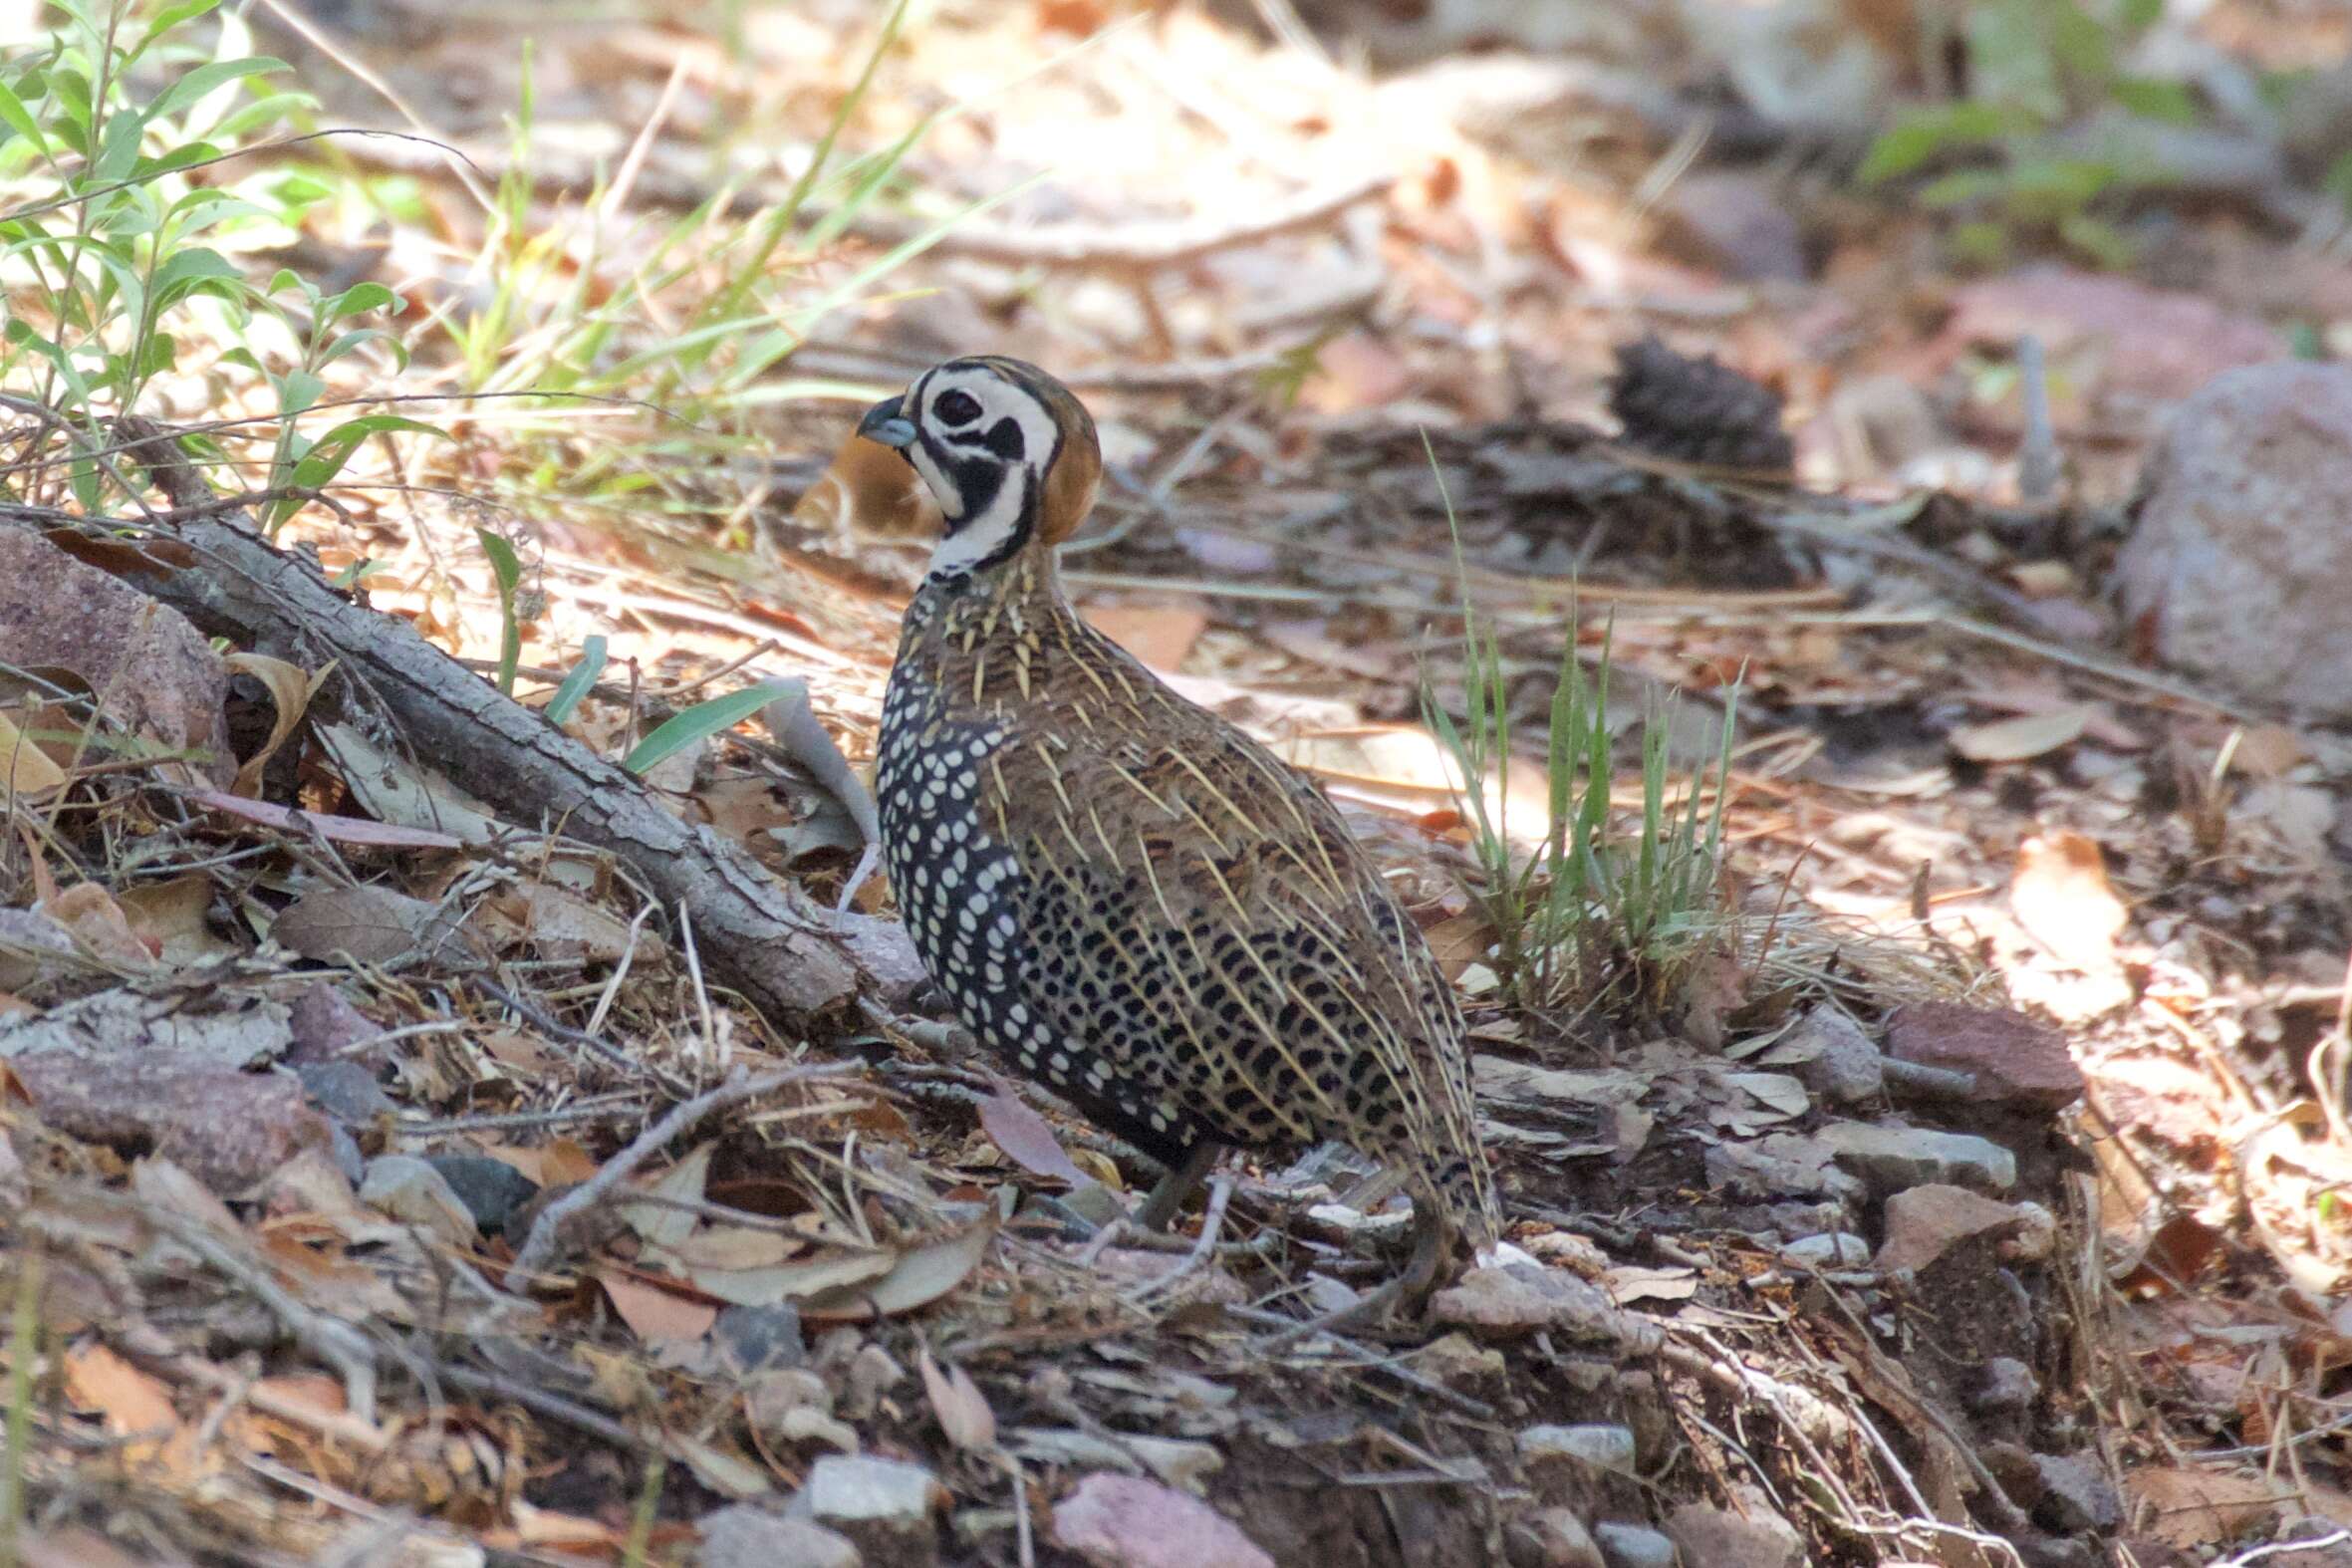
<point x="2053" y="131"/>
<point x="118" y="264"/>
<point x="507" y="568"/>
<point x="577" y="684"/>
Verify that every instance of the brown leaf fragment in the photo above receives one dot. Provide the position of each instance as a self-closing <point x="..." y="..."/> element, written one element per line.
<point x="133" y="1405"/>
<point x="366" y="925"/>
<point x="1159" y="635"/>
<point x="99" y="924"/>
<point x="962" y="1409"/>
<point x="1027" y="1139"/>
<point x="922" y="1275"/>
<point x="171" y="918"/>
<point x="1124" y="1521"/>
<point x="562" y="924"/>
<point x="28" y="771"/>
<point x="2199" y="1507"/>
<point x="654" y="1314"/>
<point x="291" y="689"/>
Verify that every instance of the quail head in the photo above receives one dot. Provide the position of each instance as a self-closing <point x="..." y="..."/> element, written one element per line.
<point x="1125" y="897"/>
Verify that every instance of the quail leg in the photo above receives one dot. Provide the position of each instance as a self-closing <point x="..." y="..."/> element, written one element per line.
<point x="1177" y="1185"/>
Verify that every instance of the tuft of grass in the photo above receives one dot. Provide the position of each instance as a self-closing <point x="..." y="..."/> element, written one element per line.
<point x="1602" y="907"/>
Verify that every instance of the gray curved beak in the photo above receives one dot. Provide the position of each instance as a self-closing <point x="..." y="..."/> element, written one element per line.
<point x="888" y="424"/>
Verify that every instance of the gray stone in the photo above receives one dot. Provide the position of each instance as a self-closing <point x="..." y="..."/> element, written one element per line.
<point x="490" y="1190"/>
<point x="1552" y="1538"/>
<point x="346" y="1091"/>
<point x="1520" y="1298"/>
<point x="762" y="1339"/>
<point x="2005" y="1386"/>
<point x="1892" y="1158"/>
<point x="1605" y="1447"/>
<point x="2242" y="540"/>
<point x="1831" y="1249"/>
<point x="1831" y="1056"/>
<point x="1780" y="1166"/>
<point x="1636" y="1546"/>
<point x="2013" y="1059"/>
<point x="1755" y="1538"/>
<point x="746" y="1537"/>
<point x="2076" y="1498"/>
<point x="884" y="1506"/>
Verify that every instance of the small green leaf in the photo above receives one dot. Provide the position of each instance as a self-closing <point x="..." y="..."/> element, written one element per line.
<point x="207" y="79"/>
<point x="370" y="296"/>
<point x="298" y="391"/>
<point x="578" y="684"/>
<point x="20" y="118"/>
<point x="508" y="567"/>
<point x="701" y="722"/>
<point x="179" y="14"/>
<point x="2170" y="102"/>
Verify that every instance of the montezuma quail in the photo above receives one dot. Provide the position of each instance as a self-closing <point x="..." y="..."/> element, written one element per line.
<point x="1125" y="895"/>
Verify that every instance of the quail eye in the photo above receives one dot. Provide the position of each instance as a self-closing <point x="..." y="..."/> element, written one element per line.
<point x="955" y="408"/>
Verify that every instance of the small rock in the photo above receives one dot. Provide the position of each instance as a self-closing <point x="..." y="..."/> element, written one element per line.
<point x="743" y="1537"/>
<point x="1454" y="1360"/>
<point x="1552" y="1538"/>
<point x="1779" y="1165"/>
<point x="1833" y="1057"/>
<point x="1118" y="1521"/>
<point x="1925" y="1223"/>
<point x="2005" y="1386"/>
<point x="1892" y="1158"/>
<point x="871" y="1374"/>
<point x="2076" y="1498"/>
<point x="407" y="1189"/>
<point x="2242" y="539"/>
<point x="1831" y="1249"/>
<point x="346" y="1091"/>
<point x="490" y="1190"/>
<point x="1602" y="1445"/>
<point x="761" y="1339"/>
<point x="884" y="1505"/>
<point x="1735" y="222"/>
<point x="1518" y="1299"/>
<point x="2014" y="1059"/>
<point x="1636" y="1546"/>
<point x="1755" y="1538"/>
<point x="326" y="1025"/>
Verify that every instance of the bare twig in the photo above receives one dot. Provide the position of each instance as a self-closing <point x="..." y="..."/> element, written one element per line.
<point x="539" y="1248"/>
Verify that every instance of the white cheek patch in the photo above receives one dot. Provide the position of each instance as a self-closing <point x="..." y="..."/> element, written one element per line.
<point x="980" y="537"/>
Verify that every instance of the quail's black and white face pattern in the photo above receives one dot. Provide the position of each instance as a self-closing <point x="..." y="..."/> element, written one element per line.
<point x="983" y="437"/>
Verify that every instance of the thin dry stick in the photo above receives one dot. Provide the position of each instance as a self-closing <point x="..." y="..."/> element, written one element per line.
<point x="539" y="1246"/>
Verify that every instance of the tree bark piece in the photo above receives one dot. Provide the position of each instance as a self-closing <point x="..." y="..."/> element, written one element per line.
<point x="760" y="936"/>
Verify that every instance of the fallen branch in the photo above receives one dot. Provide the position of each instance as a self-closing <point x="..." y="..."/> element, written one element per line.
<point x="762" y="939"/>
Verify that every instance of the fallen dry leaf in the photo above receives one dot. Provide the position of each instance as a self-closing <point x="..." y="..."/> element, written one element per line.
<point x="2191" y="1507"/>
<point x="2026" y="736"/>
<point x="291" y="689"/>
<point x="962" y="1409"/>
<point x="921" y="1276"/>
<point x="1026" y="1137"/>
<point x="367" y="923"/>
<point x="652" y="1313"/>
<point x="29" y="771"/>
<point x="133" y="1405"/>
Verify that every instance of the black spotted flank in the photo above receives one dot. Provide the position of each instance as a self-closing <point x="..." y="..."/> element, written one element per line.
<point x="1004" y="439"/>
